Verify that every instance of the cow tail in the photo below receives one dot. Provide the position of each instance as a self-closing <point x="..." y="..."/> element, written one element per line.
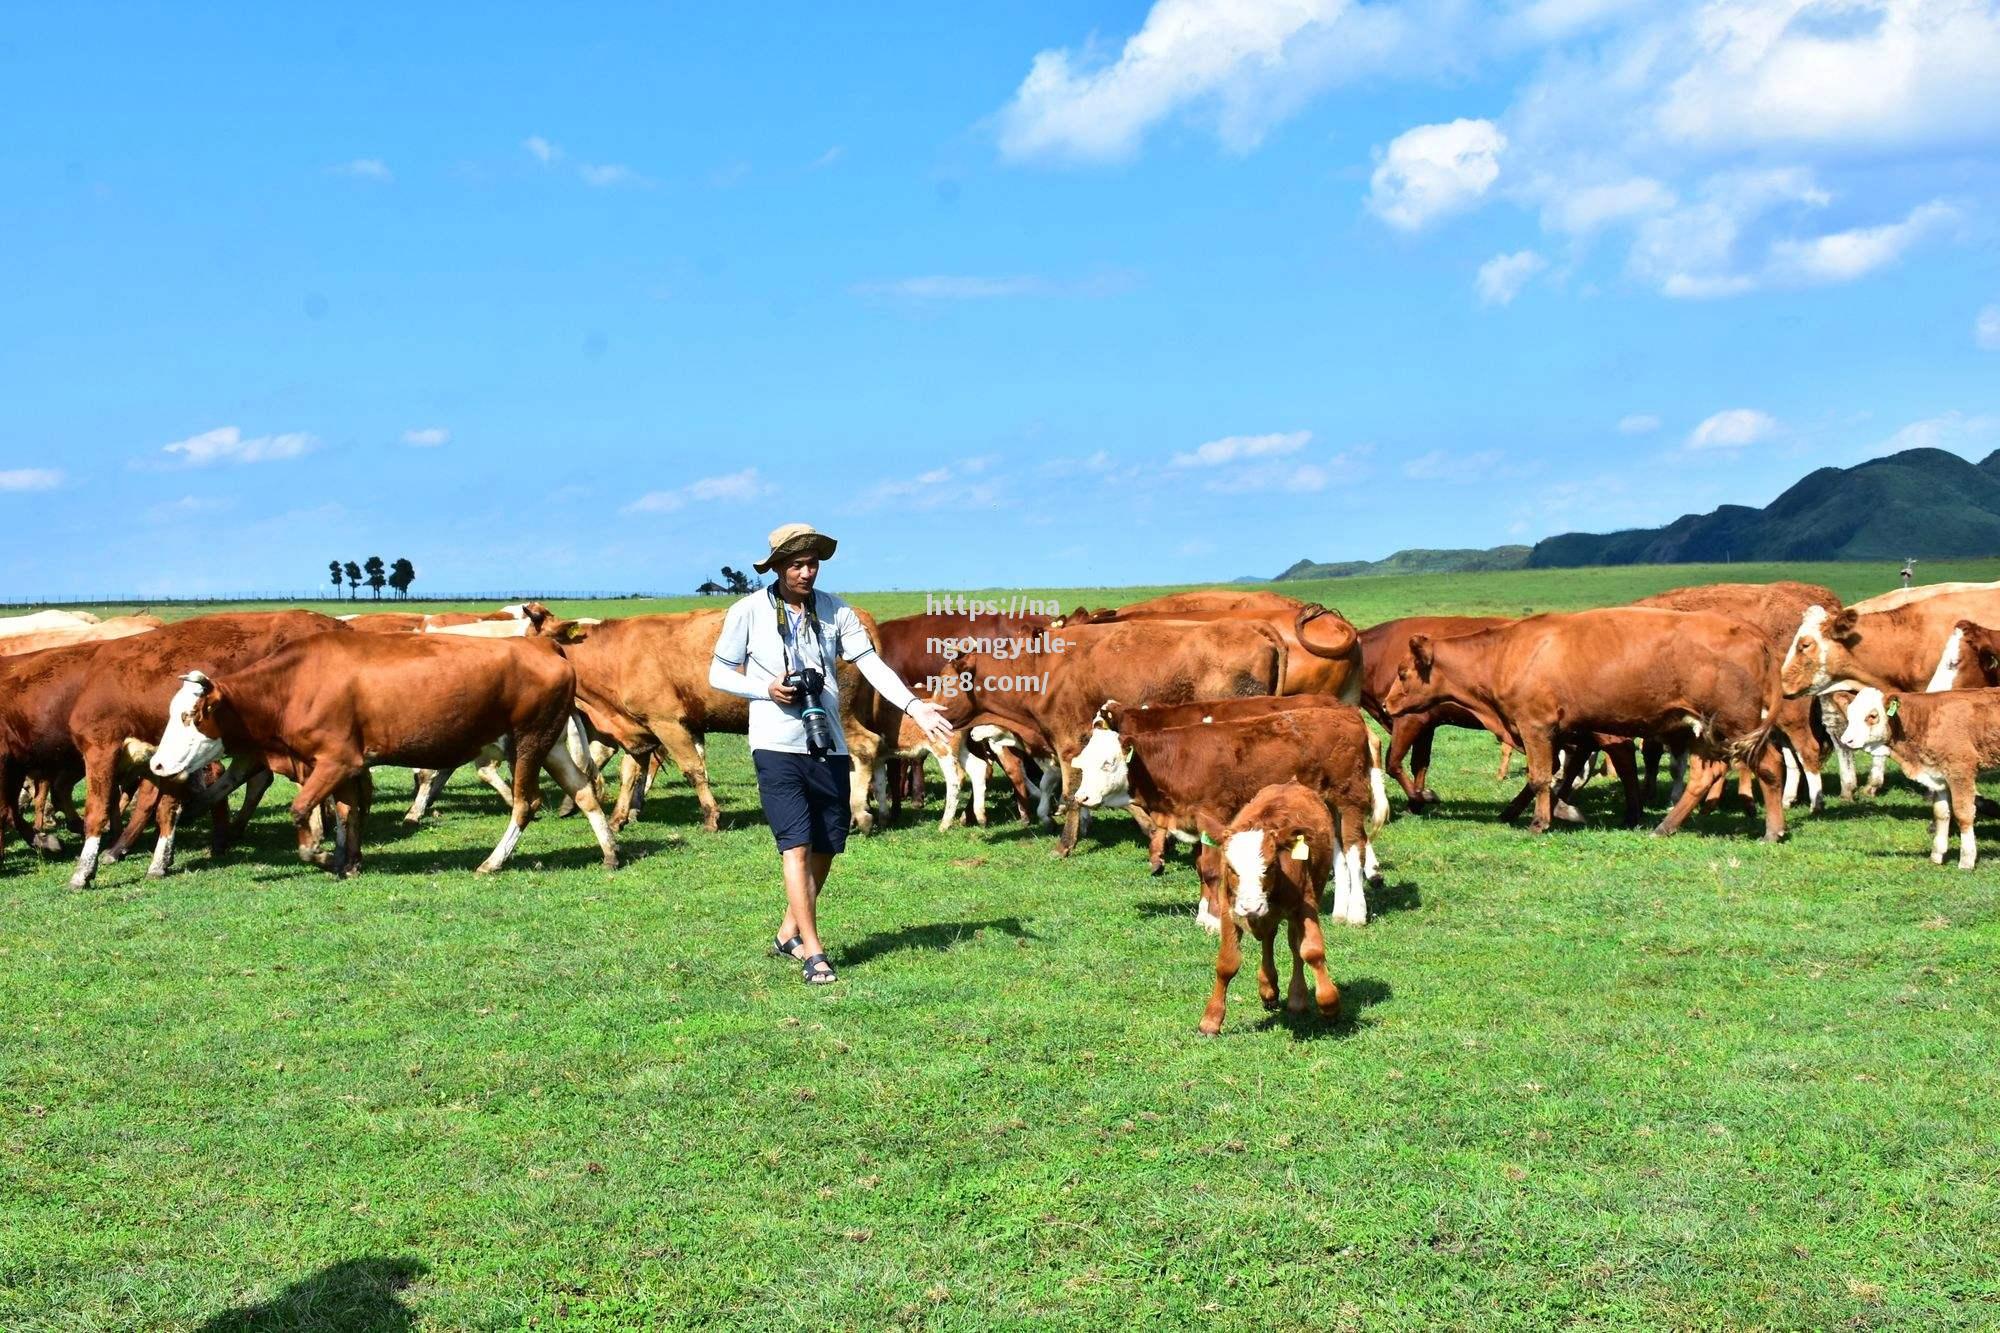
<point x="1378" y="793"/>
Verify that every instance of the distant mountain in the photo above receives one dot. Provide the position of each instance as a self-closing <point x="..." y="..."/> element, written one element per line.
<point x="1921" y="502"/>
<point x="1415" y="561"/>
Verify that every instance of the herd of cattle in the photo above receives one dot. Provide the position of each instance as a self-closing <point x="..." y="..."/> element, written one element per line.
<point x="1234" y="721"/>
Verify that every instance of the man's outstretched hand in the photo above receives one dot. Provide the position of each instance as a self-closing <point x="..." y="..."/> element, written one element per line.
<point x="930" y="717"/>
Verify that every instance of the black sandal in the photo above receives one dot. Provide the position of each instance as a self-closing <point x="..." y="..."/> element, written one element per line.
<point x="787" y="948"/>
<point x="817" y="971"/>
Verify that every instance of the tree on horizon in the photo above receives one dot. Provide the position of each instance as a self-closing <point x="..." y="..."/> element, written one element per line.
<point x="353" y="572"/>
<point x="401" y="575"/>
<point x="377" y="572"/>
<point x="333" y="567"/>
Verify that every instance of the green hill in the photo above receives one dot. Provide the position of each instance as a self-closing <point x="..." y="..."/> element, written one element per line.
<point x="1414" y="561"/>
<point x="1921" y="502"/>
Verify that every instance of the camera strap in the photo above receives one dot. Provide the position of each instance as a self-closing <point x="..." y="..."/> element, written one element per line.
<point x="793" y="652"/>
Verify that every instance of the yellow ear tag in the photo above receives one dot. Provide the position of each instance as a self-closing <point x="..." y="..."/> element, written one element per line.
<point x="1299" y="852"/>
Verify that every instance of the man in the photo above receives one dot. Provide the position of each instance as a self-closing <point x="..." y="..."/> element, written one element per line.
<point x="803" y="778"/>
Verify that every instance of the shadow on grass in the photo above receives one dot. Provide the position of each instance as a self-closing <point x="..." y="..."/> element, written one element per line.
<point x="937" y="936"/>
<point x="1357" y="997"/>
<point x="352" y="1296"/>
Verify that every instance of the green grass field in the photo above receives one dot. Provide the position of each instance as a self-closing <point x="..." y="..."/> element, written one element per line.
<point x="1588" y="1079"/>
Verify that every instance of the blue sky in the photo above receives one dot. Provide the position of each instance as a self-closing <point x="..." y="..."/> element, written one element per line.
<point x="1054" y="294"/>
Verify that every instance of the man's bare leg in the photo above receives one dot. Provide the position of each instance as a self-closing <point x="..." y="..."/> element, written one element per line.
<point x="805" y="875"/>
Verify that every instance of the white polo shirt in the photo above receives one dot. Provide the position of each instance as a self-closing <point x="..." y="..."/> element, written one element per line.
<point x="753" y="641"/>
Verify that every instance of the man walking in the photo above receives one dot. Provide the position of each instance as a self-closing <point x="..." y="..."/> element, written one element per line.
<point x="778" y="648"/>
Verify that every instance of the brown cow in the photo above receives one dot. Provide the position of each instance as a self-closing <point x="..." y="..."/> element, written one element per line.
<point x="1630" y="672"/>
<point x="1382" y="649"/>
<point x="1775" y="609"/>
<point x="1971" y="659"/>
<point x="1048" y="699"/>
<point x="37" y="691"/>
<point x="1323" y="650"/>
<point x="914" y="648"/>
<point x="1194" y="778"/>
<point x="1100" y="769"/>
<point x="642" y="682"/>
<point x="1275" y="856"/>
<point x="324" y="709"/>
<point x="126" y="691"/>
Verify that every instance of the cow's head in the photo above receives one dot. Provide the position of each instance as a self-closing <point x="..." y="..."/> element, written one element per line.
<point x="1873" y="720"/>
<point x="1971" y="659"/>
<point x="1416" y="683"/>
<point x="1103" y="768"/>
<point x="191" y="741"/>
<point x="1248" y="856"/>
<point x="1814" y="661"/>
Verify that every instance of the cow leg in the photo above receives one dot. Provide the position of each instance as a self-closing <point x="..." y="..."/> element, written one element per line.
<point x="680" y="747"/>
<point x="1228" y="961"/>
<point x="1325" y="993"/>
<point x="1420" y="761"/>
<point x="527" y="798"/>
<point x="954" y="782"/>
<point x="1402" y="735"/>
<point x="1965" y="805"/>
<point x="1016" y="770"/>
<point x="1357" y="877"/>
<point x="100" y="773"/>
<point x="1651" y="749"/>
<point x="1541" y="754"/>
<point x="864" y="751"/>
<point x="631" y="789"/>
<point x="1940" y="818"/>
<point x="167" y="814"/>
<point x="488" y="769"/>
<point x="228" y="830"/>
<point x="976" y="772"/>
<point x="139" y="813"/>
<point x="1295" y="994"/>
<point x="1572" y="771"/>
<point x="572" y="779"/>
<point x="1769" y="765"/>
<point x="429" y="783"/>
<point x="1506" y="761"/>
<point x="350" y="807"/>
<point x="322" y="779"/>
<point x="890" y="803"/>
<point x="1071" y="811"/>
<point x="63" y="791"/>
<point x="1266" y="932"/>
<point x="1878" y="770"/>
<point x="1703" y="773"/>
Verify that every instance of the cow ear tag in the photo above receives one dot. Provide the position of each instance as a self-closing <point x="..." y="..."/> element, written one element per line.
<point x="1299" y="852"/>
<point x="1129" y="752"/>
<point x="1207" y="841"/>
<point x="1893" y="704"/>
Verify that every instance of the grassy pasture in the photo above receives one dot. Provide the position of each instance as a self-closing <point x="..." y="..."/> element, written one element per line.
<point x="1588" y="1079"/>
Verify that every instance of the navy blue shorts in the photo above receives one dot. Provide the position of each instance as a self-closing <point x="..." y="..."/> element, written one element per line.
<point x="805" y="798"/>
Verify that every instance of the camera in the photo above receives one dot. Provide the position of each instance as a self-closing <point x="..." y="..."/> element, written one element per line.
<point x="808" y="681"/>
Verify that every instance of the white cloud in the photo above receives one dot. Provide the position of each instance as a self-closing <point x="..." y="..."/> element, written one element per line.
<point x="1579" y="210"/>
<point x="364" y="168"/>
<point x="1733" y="429"/>
<point x="735" y="486"/>
<point x="1954" y="431"/>
<point x="1237" y="448"/>
<point x="1253" y="62"/>
<point x="1433" y="171"/>
<point x="1290" y="478"/>
<point x="935" y="488"/>
<point x="1986" y="328"/>
<point x="541" y="149"/>
<point x="607" y="174"/>
<point x="1502" y="277"/>
<point x="1846" y="255"/>
<point x="829" y="157"/>
<point x="226" y="444"/>
<point x="426" y="437"/>
<point x="30" y="479"/>
<point x="1698" y="250"/>
<point x="1848" y="74"/>
<point x="1638" y="423"/>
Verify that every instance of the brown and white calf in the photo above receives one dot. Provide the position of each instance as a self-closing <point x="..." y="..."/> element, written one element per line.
<point x="324" y="709"/>
<point x="1275" y="857"/>
<point x="1942" y="741"/>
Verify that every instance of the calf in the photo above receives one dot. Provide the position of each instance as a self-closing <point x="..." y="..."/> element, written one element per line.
<point x="1191" y="780"/>
<point x="1275" y="856"/>
<point x="1942" y="740"/>
<point x="326" y="708"/>
<point x="1625" y="672"/>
